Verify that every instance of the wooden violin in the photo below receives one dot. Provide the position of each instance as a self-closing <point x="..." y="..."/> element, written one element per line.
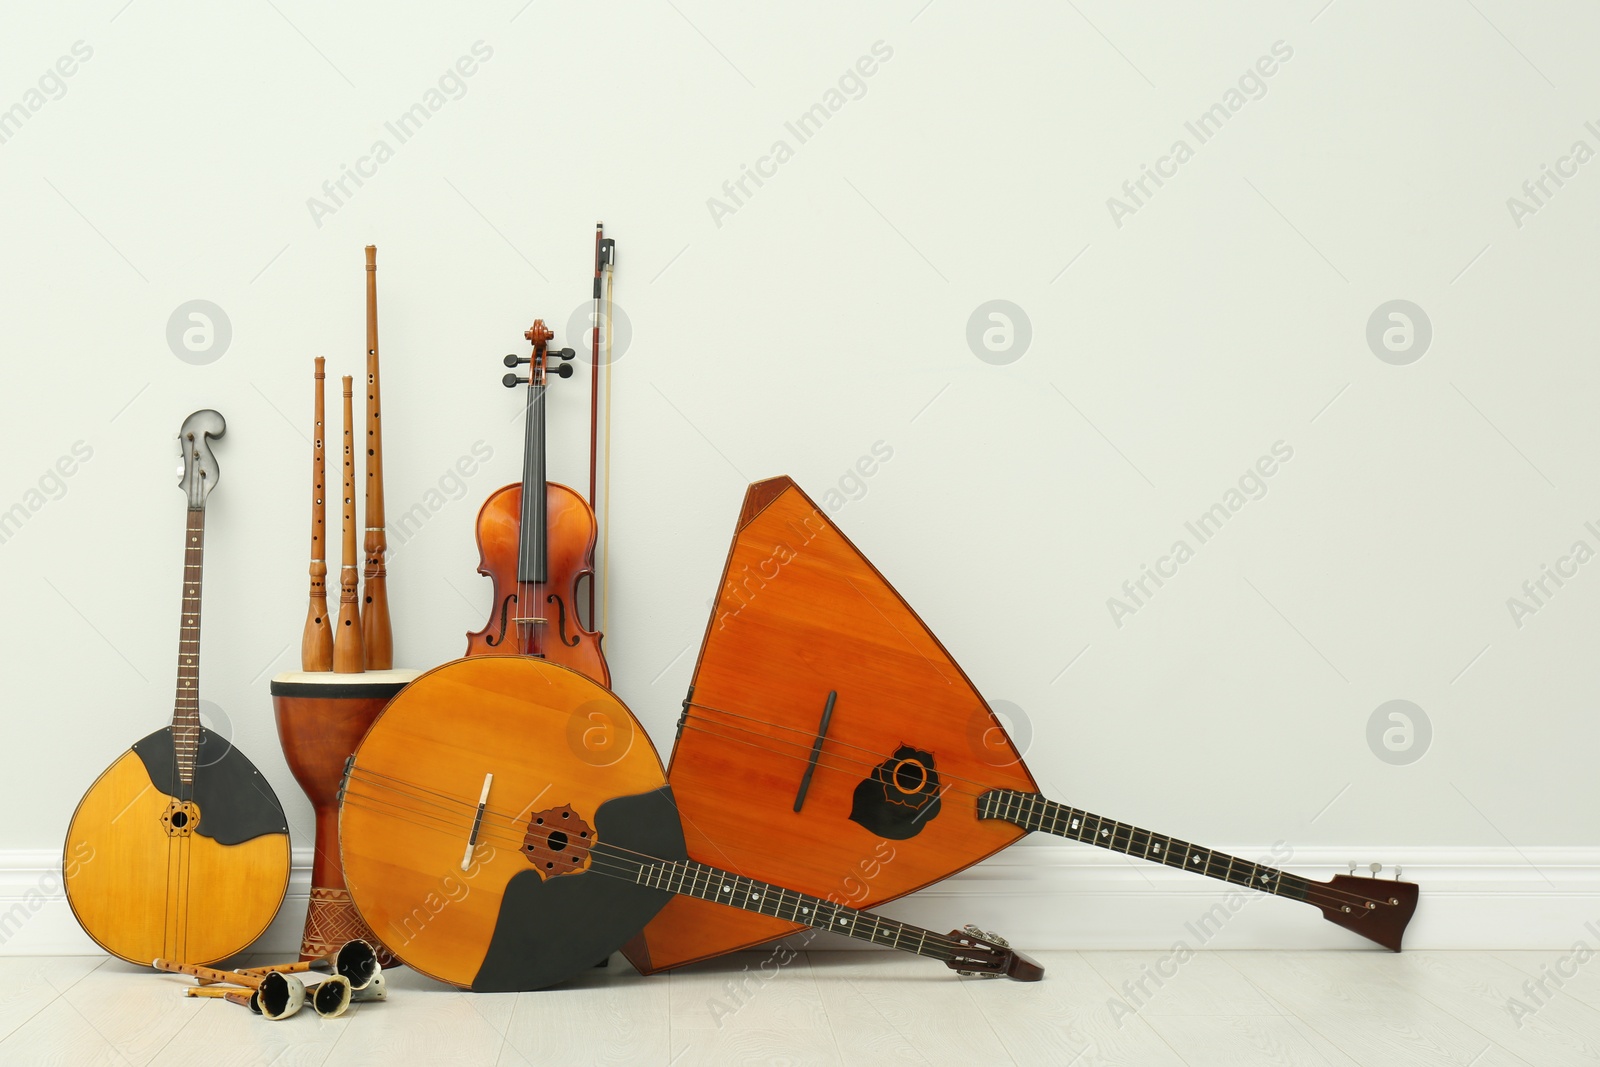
<point x="506" y="822"/>
<point x="536" y="542"/>
<point x="180" y="849"/>
<point x="825" y="719"/>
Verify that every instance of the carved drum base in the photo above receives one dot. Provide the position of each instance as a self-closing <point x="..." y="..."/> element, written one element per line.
<point x="331" y="920"/>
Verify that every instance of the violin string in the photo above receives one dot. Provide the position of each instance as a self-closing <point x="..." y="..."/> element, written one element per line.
<point x="603" y="863"/>
<point x="1348" y="895"/>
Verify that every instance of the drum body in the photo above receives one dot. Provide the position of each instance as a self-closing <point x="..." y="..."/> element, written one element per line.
<point x="322" y="717"/>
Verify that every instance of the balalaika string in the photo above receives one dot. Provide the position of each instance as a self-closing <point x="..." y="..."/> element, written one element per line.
<point x="801" y="753"/>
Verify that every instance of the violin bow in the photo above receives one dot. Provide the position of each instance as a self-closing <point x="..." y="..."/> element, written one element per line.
<point x="605" y="258"/>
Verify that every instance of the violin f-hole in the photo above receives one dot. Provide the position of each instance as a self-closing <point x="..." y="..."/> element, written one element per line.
<point x="505" y="610"/>
<point x="561" y="621"/>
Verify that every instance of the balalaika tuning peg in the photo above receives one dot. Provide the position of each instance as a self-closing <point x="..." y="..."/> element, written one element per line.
<point x="563" y="369"/>
<point x="565" y="354"/>
<point x="514" y="360"/>
<point x="511" y="381"/>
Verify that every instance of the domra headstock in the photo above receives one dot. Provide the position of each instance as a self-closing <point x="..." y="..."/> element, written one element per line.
<point x="980" y="954"/>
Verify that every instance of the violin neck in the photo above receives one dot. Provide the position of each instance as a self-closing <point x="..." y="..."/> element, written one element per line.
<point x="186" y="704"/>
<point x="533" y="547"/>
<point x="697" y="880"/>
<point x="1033" y="812"/>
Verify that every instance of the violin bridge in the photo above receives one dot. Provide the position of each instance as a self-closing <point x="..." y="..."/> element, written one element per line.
<point x="541" y="622"/>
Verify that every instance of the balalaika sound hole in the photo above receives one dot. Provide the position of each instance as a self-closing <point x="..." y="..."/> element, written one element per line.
<point x="900" y="796"/>
<point x="557" y="841"/>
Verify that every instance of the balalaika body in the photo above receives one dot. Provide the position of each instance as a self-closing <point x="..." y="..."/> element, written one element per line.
<point x="180" y="849"/>
<point x="826" y="723"/>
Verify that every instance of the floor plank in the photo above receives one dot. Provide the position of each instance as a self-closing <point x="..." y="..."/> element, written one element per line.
<point x="893" y="1008"/>
<point x="136" y="1010"/>
<point x="754" y="1045"/>
<point x="1238" y="1041"/>
<point x="1361" y="1010"/>
<point x="29" y="984"/>
<point x="1165" y="983"/>
<point x="1578" y="973"/>
<point x="607" y="1016"/>
<point x="1546" y="1028"/>
<point x="1074" y="1016"/>
<point x="59" y="1035"/>
<point x="770" y="989"/>
<point x="1093" y="1009"/>
<point x="219" y="1034"/>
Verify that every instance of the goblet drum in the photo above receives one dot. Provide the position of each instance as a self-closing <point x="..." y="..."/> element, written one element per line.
<point x="322" y="718"/>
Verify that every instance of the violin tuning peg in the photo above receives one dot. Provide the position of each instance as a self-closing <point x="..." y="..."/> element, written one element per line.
<point x="513" y="360"/>
<point x="564" y="369"/>
<point x="511" y="381"/>
<point x="566" y="353"/>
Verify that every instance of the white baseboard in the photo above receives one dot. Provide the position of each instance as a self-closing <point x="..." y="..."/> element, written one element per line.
<point x="1047" y="894"/>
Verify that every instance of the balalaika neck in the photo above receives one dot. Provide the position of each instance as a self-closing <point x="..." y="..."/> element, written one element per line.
<point x="533" y="551"/>
<point x="1033" y="812"/>
<point x="709" y="883"/>
<point x="186" y="705"/>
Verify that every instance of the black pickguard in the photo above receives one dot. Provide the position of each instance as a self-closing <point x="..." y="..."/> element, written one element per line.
<point x="549" y="931"/>
<point x="892" y="812"/>
<point x="236" y="803"/>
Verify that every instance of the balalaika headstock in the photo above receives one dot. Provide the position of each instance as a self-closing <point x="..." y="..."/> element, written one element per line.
<point x="1376" y="908"/>
<point x="538" y="363"/>
<point x="199" y="473"/>
<point x="984" y="955"/>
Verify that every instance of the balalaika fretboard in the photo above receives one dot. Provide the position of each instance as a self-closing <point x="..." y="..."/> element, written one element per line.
<point x="1034" y="812"/>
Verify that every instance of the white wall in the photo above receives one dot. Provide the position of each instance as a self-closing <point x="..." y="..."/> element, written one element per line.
<point x="827" y="312"/>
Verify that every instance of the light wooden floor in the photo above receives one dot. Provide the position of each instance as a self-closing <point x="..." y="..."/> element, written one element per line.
<point x="1233" y="1009"/>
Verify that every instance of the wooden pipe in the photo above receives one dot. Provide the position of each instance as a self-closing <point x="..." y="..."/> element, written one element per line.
<point x="244" y="998"/>
<point x="280" y="995"/>
<point x="356" y="961"/>
<point x="377" y="637"/>
<point x="348" y="657"/>
<point x="316" y="641"/>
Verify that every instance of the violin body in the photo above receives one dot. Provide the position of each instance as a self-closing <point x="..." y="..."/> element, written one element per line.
<point x="143" y="886"/>
<point x="559" y="635"/>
